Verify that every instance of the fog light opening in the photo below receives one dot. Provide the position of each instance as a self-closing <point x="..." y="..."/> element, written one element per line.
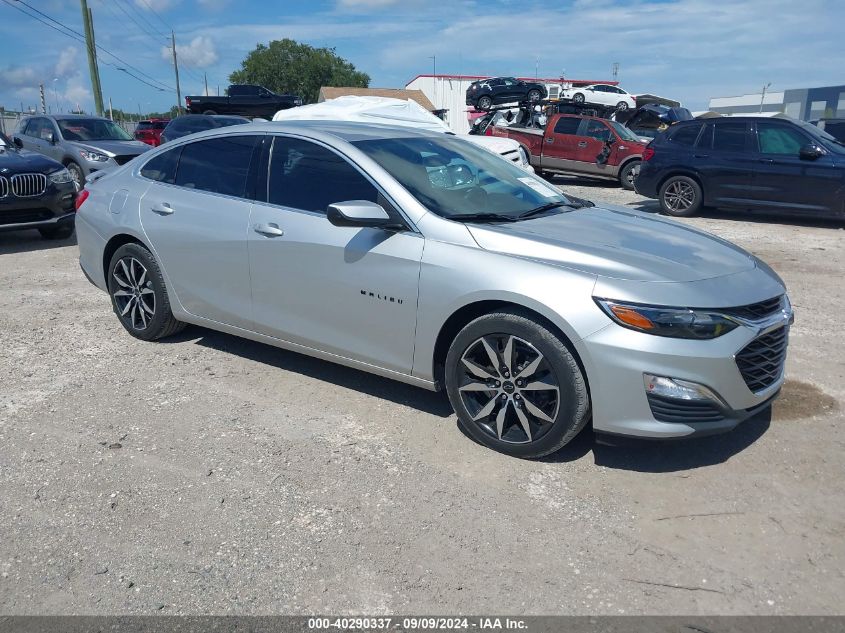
<point x="679" y="389"/>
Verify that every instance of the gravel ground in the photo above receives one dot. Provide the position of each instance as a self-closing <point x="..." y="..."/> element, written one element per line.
<point x="209" y="474"/>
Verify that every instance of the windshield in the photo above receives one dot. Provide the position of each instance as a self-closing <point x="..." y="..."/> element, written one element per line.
<point x="624" y="133"/>
<point x="837" y="145"/>
<point x="456" y="180"/>
<point x="92" y="130"/>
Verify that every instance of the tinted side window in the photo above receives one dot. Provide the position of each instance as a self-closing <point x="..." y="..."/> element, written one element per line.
<point x="306" y="176"/>
<point x="779" y="139"/>
<point x="837" y="130"/>
<point x="685" y="135"/>
<point x="596" y="130"/>
<point x="567" y="125"/>
<point x="162" y="168"/>
<point x="729" y="136"/>
<point x="219" y="165"/>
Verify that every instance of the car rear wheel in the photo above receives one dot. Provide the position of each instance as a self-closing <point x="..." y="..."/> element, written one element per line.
<point x="578" y="98"/>
<point x="61" y="232"/>
<point x="139" y="295"/>
<point x="629" y="174"/>
<point x="76" y="175"/>
<point x="534" y="96"/>
<point x="515" y="386"/>
<point x="680" y="196"/>
<point x="485" y="103"/>
<point x="622" y="106"/>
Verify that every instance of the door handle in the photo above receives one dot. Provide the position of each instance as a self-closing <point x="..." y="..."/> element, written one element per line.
<point x="268" y="230"/>
<point x="701" y="156"/>
<point x="582" y="144"/>
<point x="767" y="161"/>
<point x="162" y="209"/>
<point x="550" y="140"/>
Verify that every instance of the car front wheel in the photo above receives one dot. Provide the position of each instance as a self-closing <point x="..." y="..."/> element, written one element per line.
<point x="515" y="386"/>
<point x="628" y="175"/>
<point x="681" y="197"/>
<point x="76" y="175"/>
<point x="139" y="295"/>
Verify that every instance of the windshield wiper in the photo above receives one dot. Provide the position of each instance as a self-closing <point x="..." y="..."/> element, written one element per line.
<point x="542" y="209"/>
<point x="481" y="217"/>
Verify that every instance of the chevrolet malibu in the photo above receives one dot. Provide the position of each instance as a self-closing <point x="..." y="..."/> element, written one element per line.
<point x="420" y="257"/>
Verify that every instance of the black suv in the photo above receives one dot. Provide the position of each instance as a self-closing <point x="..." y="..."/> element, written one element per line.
<point x="36" y="192"/>
<point x="486" y="93"/>
<point x="747" y="163"/>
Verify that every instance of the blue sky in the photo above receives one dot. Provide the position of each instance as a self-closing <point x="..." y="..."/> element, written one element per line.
<point x="685" y="49"/>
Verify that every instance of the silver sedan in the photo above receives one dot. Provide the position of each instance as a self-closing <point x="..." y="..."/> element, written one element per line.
<point x="420" y="257"/>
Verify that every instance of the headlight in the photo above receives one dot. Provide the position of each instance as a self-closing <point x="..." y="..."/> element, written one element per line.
<point x="671" y="322"/>
<point x="60" y="177"/>
<point x="94" y="156"/>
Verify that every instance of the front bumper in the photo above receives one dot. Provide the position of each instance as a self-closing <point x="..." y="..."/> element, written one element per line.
<point x="617" y="359"/>
<point x="55" y="206"/>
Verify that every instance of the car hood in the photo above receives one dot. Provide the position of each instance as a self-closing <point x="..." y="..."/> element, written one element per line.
<point x="495" y="144"/>
<point x="618" y="244"/>
<point x="114" y="148"/>
<point x="13" y="161"/>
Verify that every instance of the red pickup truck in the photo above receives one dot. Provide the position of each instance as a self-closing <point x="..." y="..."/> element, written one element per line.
<point x="583" y="145"/>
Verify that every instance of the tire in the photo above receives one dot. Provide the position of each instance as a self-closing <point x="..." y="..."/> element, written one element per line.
<point x="209" y="112"/>
<point x="534" y="96"/>
<point x="76" y="174"/>
<point x="680" y="196"/>
<point x="484" y="103"/>
<point x="553" y="416"/>
<point x="629" y="174"/>
<point x="621" y="106"/>
<point x="578" y="98"/>
<point x="135" y="277"/>
<point x="60" y="232"/>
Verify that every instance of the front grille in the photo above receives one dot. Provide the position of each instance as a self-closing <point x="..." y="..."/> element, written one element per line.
<point x="122" y="160"/>
<point x="756" y="310"/>
<point x="28" y="185"/>
<point x="672" y="410"/>
<point x="761" y="361"/>
<point x="4" y="187"/>
<point x="22" y="216"/>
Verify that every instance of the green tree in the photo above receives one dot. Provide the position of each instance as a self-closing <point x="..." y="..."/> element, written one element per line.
<point x="288" y="66"/>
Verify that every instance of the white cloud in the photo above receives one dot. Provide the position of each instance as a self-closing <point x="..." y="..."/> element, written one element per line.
<point x="68" y="63"/>
<point x="17" y="77"/>
<point x="155" y="5"/>
<point x="200" y="53"/>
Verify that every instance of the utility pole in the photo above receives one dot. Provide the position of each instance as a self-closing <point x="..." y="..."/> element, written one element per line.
<point x="111" y="111"/>
<point x="43" y="102"/>
<point x="615" y="68"/>
<point x="176" y="68"/>
<point x="205" y="77"/>
<point x="92" y="57"/>
<point x="763" y="96"/>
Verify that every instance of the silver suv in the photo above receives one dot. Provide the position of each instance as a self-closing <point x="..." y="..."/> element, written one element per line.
<point x="82" y="143"/>
<point x="421" y="257"/>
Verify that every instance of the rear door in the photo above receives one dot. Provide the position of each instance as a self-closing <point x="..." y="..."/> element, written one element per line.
<point x="342" y="290"/>
<point x="783" y="180"/>
<point x="725" y="159"/>
<point x="197" y="222"/>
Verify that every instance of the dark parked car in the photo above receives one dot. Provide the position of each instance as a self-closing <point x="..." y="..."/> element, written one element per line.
<point x="190" y="123"/>
<point x="36" y="192"/>
<point x="243" y="100"/>
<point x="486" y="93"/>
<point x="149" y="132"/>
<point x="747" y="163"/>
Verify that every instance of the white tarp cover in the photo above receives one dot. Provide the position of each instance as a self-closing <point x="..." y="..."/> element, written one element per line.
<point x="383" y="110"/>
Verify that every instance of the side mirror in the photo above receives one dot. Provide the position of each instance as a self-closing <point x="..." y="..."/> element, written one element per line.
<point x="359" y="213"/>
<point x="18" y="143"/>
<point x="810" y="152"/>
<point x="50" y="138"/>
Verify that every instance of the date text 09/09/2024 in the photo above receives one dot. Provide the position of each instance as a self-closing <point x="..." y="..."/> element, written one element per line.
<point x="417" y="623"/>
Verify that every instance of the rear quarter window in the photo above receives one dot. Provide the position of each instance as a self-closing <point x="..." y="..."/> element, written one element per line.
<point x="685" y="136"/>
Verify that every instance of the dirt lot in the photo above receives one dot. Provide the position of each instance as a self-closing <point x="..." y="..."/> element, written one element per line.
<point x="211" y="474"/>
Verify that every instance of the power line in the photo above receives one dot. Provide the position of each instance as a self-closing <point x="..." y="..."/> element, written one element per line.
<point x="154" y="34"/>
<point x="161" y="19"/>
<point x="79" y="37"/>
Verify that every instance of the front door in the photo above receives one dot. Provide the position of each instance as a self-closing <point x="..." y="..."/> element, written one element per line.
<point x="343" y="290"/>
<point x="560" y="143"/>
<point x="197" y="223"/>
<point x="592" y="149"/>
<point x="783" y="180"/>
